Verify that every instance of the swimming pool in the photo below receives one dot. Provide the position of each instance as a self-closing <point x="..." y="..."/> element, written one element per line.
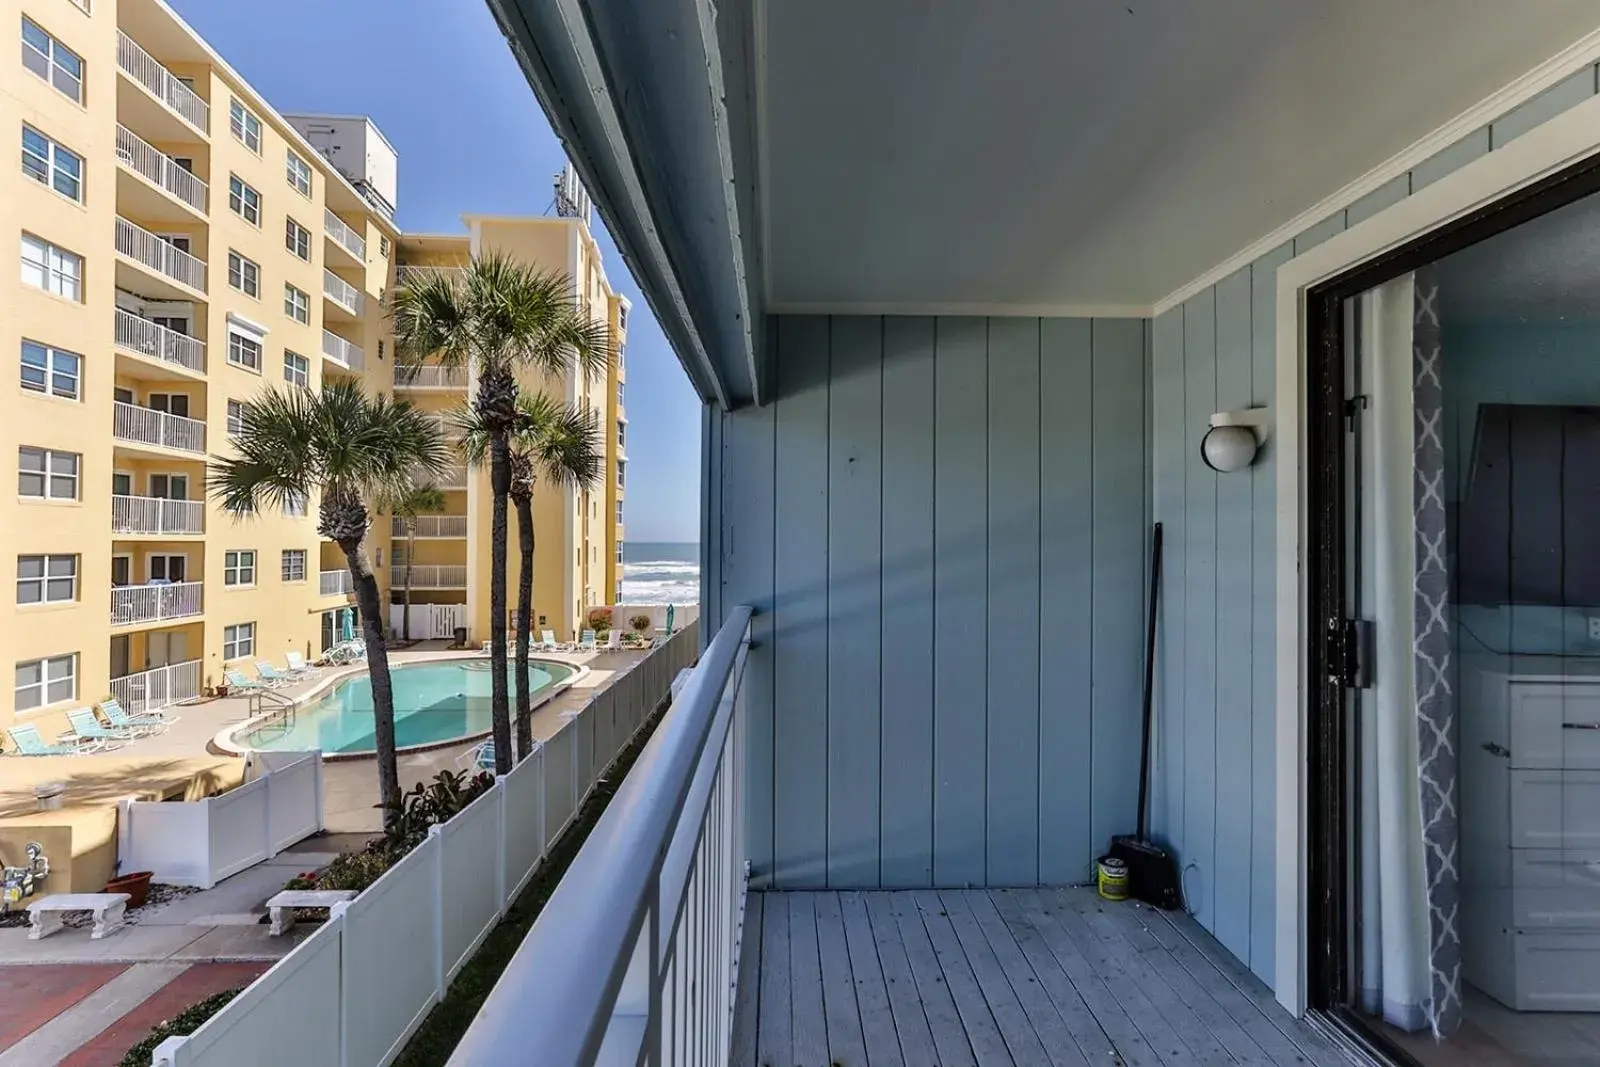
<point x="433" y="703"/>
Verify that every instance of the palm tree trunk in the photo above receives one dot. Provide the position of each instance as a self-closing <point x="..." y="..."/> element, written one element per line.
<point x="500" y="703"/>
<point x="524" y="622"/>
<point x="367" y="599"/>
<point x="411" y="554"/>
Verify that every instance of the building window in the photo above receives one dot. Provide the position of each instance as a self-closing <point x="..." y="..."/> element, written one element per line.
<point x="295" y="506"/>
<point x="46" y="475"/>
<point x="296" y="303"/>
<point x="622" y="435"/>
<point x="383" y="246"/>
<point x="296" y="369"/>
<point x="297" y="239"/>
<point x="243" y="200"/>
<point x="619" y="513"/>
<point x="294" y="564"/>
<point x="55" y="270"/>
<point x="235" y="418"/>
<point x="49" y="163"/>
<point x="239" y="640"/>
<point x="619" y="560"/>
<point x="239" y="567"/>
<point x="619" y="393"/>
<point x="52" y="61"/>
<point x="244" y="274"/>
<point x="245" y="126"/>
<point x="51" y="370"/>
<point x="244" y="351"/>
<point x="47" y="579"/>
<point x="622" y="473"/>
<point x="298" y="172"/>
<point x="46" y="681"/>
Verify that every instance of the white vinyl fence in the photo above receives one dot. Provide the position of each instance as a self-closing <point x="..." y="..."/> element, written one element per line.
<point x="353" y="992"/>
<point x="201" y="842"/>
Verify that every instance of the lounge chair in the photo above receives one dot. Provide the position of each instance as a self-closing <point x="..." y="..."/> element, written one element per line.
<point x="548" y="642"/>
<point x="298" y="665"/>
<point x="88" y="728"/>
<point x="586" y="643"/>
<point x="273" y="676"/>
<point x="486" y="649"/>
<point x="237" y="680"/>
<point x="613" y="642"/>
<point x="479" y="757"/>
<point x="27" y="742"/>
<point x="145" y="723"/>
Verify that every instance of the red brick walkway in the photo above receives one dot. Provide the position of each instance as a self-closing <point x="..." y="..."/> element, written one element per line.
<point x="34" y="995"/>
<point x="192" y="986"/>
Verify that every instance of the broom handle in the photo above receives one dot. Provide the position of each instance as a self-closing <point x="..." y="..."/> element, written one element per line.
<point x="1149" y="683"/>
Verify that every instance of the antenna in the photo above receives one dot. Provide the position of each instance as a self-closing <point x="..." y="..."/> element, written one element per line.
<point x="572" y="199"/>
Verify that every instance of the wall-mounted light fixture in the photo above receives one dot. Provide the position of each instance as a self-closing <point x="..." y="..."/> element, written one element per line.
<point x="1234" y="439"/>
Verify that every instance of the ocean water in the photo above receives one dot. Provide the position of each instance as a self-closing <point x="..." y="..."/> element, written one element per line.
<point x="660" y="572"/>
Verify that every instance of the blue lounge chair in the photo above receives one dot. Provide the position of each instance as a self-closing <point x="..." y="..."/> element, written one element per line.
<point x="587" y="642"/>
<point x="27" y="742"/>
<point x="113" y="710"/>
<point x="298" y="665"/>
<point x="85" y="725"/>
<point x="141" y="725"/>
<point x="273" y="676"/>
<point x="237" y="680"/>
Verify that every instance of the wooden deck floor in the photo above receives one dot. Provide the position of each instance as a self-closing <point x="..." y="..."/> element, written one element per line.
<point x="974" y="978"/>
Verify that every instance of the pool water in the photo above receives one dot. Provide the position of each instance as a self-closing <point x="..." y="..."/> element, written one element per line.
<point x="433" y="703"/>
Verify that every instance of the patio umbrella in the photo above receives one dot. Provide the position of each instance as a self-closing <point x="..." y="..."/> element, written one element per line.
<point x="348" y="624"/>
<point x="671" y="611"/>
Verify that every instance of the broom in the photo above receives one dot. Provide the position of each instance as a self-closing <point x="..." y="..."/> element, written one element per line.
<point x="1152" y="872"/>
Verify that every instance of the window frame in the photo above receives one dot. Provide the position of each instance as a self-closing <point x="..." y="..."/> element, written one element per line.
<point x="240" y="637"/>
<point x="45" y="682"/>
<point x="244" y="200"/>
<point x="286" y="572"/>
<point x="295" y="168"/>
<point x="49" y="172"/>
<point x="297" y="239"/>
<point x="48" y="474"/>
<point x="295" y="373"/>
<point x="46" y="578"/>
<point x="233" y="421"/>
<point x="297" y="303"/>
<point x="241" y="261"/>
<point x="243" y="124"/>
<point x="52" y="374"/>
<point x="51" y="267"/>
<point x="236" y="568"/>
<point x="243" y="339"/>
<point x="52" y="63"/>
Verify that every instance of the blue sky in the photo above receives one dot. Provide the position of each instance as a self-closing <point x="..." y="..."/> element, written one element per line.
<point x="438" y="79"/>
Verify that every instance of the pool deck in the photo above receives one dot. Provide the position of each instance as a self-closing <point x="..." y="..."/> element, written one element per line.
<point x="350" y="787"/>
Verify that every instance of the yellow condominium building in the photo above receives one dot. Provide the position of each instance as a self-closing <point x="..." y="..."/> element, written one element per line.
<point x="181" y="247"/>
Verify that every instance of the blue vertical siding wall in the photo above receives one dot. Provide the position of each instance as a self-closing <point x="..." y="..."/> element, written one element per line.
<point x="942" y="523"/>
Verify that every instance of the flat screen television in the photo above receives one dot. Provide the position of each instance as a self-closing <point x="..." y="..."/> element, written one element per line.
<point x="1528" y="527"/>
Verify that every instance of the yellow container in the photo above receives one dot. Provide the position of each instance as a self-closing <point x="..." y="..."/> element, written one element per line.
<point x="1112" y="880"/>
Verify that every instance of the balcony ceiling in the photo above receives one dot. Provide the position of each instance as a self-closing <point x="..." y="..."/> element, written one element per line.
<point x="936" y="155"/>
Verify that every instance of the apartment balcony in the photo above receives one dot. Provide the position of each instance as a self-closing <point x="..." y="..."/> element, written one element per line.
<point x="157" y="687"/>
<point x="336" y="349"/>
<point x="336" y="583"/>
<point x="147" y="428"/>
<point x="136" y="605"/>
<point x="429" y="377"/>
<point x="429" y="576"/>
<point x="165" y="352"/>
<point x="343" y="240"/>
<point x="404" y="272"/>
<point x="153" y="268"/>
<point x="151" y="184"/>
<point x="432" y="526"/>
<point x="155" y="516"/>
<point x="344" y="299"/>
<point x="160" y="104"/>
<point x="454" y="478"/>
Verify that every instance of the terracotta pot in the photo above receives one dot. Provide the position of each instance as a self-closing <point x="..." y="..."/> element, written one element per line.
<point x="136" y="885"/>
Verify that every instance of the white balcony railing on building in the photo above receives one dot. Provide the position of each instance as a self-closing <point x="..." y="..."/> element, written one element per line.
<point x="341" y="351"/>
<point x="140" y="244"/>
<point x="432" y="526"/>
<point x="157" y="687"/>
<point x="143" y="68"/>
<point x="429" y="376"/>
<point x="154" y="515"/>
<point x="454" y="478"/>
<point x="430" y="576"/>
<point x="404" y="273"/>
<point x="336" y="583"/>
<point x="147" y="426"/>
<point x="637" y="951"/>
<point x="154" y="603"/>
<point x="156" y="341"/>
<point x="341" y="292"/>
<point x="344" y="236"/>
<point x="144" y="158"/>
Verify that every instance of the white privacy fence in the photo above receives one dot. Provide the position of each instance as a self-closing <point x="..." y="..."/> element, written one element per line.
<point x="201" y="842"/>
<point x="157" y="687"/>
<point x="353" y="992"/>
<point x="156" y="515"/>
<point x="161" y="256"/>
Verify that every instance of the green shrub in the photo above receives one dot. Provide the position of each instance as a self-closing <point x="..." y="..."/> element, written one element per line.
<point x="182" y="1024"/>
<point x="600" y="618"/>
<point x="640" y="622"/>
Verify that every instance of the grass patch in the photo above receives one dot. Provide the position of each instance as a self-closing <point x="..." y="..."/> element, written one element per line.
<point x="436" y="1038"/>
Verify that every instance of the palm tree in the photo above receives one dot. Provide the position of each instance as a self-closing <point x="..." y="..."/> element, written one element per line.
<point x="413" y="501"/>
<point x="353" y="449"/>
<point x="562" y="445"/>
<point x="496" y="318"/>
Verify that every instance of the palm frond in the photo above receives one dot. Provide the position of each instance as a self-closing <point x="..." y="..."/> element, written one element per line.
<point x="432" y="320"/>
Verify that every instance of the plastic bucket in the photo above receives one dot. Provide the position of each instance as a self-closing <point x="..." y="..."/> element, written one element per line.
<point x="1112" y="878"/>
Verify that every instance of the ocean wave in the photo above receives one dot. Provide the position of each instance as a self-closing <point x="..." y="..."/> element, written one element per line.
<point x="661" y="566"/>
<point x="663" y="592"/>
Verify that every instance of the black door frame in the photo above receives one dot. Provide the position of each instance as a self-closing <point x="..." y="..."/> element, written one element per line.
<point x="1330" y="655"/>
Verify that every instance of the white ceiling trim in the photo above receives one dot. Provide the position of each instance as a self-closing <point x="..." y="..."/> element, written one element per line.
<point x="998" y="311"/>
<point x="1562" y="65"/>
<point x="758" y="87"/>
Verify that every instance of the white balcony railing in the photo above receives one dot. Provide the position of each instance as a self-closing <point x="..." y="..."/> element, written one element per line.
<point x="336" y="583"/>
<point x="147" y="426"/>
<point x="637" y="951"/>
<point x="454" y="478"/>
<point x="430" y="576"/>
<point x="143" y="68"/>
<point x="150" y="339"/>
<point x="142" y="157"/>
<point x="140" y="244"/>
<point x="429" y="376"/>
<point x="342" y="352"/>
<point x="341" y="292"/>
<point x="157" y="687"/>
<point x="153" y="515"/>
<point x="404" y="273"/>
<point x="154" y="603"/>
<point x="432" y="526"/>
<point x="344" y="236"/>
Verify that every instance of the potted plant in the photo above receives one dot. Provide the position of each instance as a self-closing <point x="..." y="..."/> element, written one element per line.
<point x="136" y="885"/>
<point x="640" y="623"/>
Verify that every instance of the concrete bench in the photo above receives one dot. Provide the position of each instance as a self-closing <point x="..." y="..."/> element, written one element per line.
<point x="282" y="905"/>
<point x="44" y="916"/>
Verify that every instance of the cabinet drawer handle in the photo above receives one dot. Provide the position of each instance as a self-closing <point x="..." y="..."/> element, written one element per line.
<point x="1580" y="726"/>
